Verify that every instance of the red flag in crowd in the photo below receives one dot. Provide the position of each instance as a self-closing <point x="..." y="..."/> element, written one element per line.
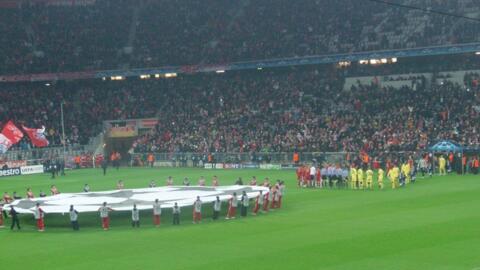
<point x="5" y="144"/>
<point x="37" y="136"/>
<point x="10" y="135"/>
<point x="13" y="133"/>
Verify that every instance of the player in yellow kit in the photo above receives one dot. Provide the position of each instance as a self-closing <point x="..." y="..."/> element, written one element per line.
<point x="369" y="182"/>
<point x="404" y="170"/>
<point x="380" y="178"/>
<point x="360" y="178"/>
<point x="393" y="175"/>
<point x="442" y="163"/>
<point x="407" y="172"/>
<point x="353" y="177"/>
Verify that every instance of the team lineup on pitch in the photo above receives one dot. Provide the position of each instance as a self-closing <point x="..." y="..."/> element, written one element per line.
<point x="310" y="218"/>
<point x="172" y="197"/>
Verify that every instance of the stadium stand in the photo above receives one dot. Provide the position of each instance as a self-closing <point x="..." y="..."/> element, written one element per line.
<point x="113" y="34"/>
<point x="258" y="111"/>
<point x="306" y="109"/>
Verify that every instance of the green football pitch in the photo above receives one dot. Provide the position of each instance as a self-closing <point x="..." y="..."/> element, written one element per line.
<point x="432" y="224"/>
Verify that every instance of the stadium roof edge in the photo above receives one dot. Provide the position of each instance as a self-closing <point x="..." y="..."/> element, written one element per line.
<point x="254" y="64"/>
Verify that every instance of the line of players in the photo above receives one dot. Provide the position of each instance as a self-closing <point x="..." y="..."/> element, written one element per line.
<point x="262" y="204"/>
<point x="356" y="177"/>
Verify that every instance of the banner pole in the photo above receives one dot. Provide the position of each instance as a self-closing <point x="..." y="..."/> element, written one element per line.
<point x="63" y="135"/>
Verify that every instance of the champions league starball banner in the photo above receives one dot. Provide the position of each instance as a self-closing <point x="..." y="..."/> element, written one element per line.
<point x="123" y="200"/>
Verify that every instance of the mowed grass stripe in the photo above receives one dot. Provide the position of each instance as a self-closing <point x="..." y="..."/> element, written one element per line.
<point x="432" y="224"/>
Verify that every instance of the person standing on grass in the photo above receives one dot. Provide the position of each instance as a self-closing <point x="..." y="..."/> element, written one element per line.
<point x="120" y="185"/>
<point x="266" y="182"/>
<point x="360" y="177"/>
<point x="369" y="181"/>
<point x="281" y="192"/>
<point x="54" y="190"/>
<point x="14" y="215"/>
<point x="215" y="182"/>
<point x="253" y="182"/>
<point x="318" y="177"/>
<point x="232" y="207"/>
<point x="201" y="181"/>
<point x="1" y="216"/>
<point x="323" y="173"/>
<point x="266" y="200"/>
<point x="312" y="174"/>
<point x="157" y="212"/>
<point x="217" y="204"/>
<point x="380" y="176"/>
<point x="197" y="211"/>
<point x="39" y="215"/>
<point x="74" y="218"/>
<point x="104" y="166"/>
<point x="176" y="214"/>
<point x="442" y="163"/>
<point x="104" y="211"/>
<point x="152" y="184"/>
<point x="169" y="181"/>
<point x="135" y="217"/>
<point x="245" y="203"/>
<point x="273" y="197"/>
<point x="258" y="203"/>
<point x="30" y="194"/>
<point x="86" y="188"/>
<point x="6" y="198"/>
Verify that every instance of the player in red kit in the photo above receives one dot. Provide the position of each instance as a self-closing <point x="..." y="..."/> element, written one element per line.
<point x="299" y="173"/>
<point x="306" y="176"/>
<point x="318" y="177"/>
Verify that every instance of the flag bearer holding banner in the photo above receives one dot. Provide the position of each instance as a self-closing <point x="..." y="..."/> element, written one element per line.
<point x="104" y="211"/>
<point x="39" y="215"/>
<point x="232" y="206"/>
<point x="157" y="211"/>
<point x="245" y="204"/>
<point x="258" y="203"/>
<point x="197" y="210"/>
<point x="1" y="216"/>
<point x="74" y="218"/>
<point x="217" y="204"/>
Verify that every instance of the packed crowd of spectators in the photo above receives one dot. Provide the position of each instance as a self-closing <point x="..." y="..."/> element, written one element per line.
<point x="85" y="105"/>
<point x="120" y="33"/>
<point x="300" y="109"/>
